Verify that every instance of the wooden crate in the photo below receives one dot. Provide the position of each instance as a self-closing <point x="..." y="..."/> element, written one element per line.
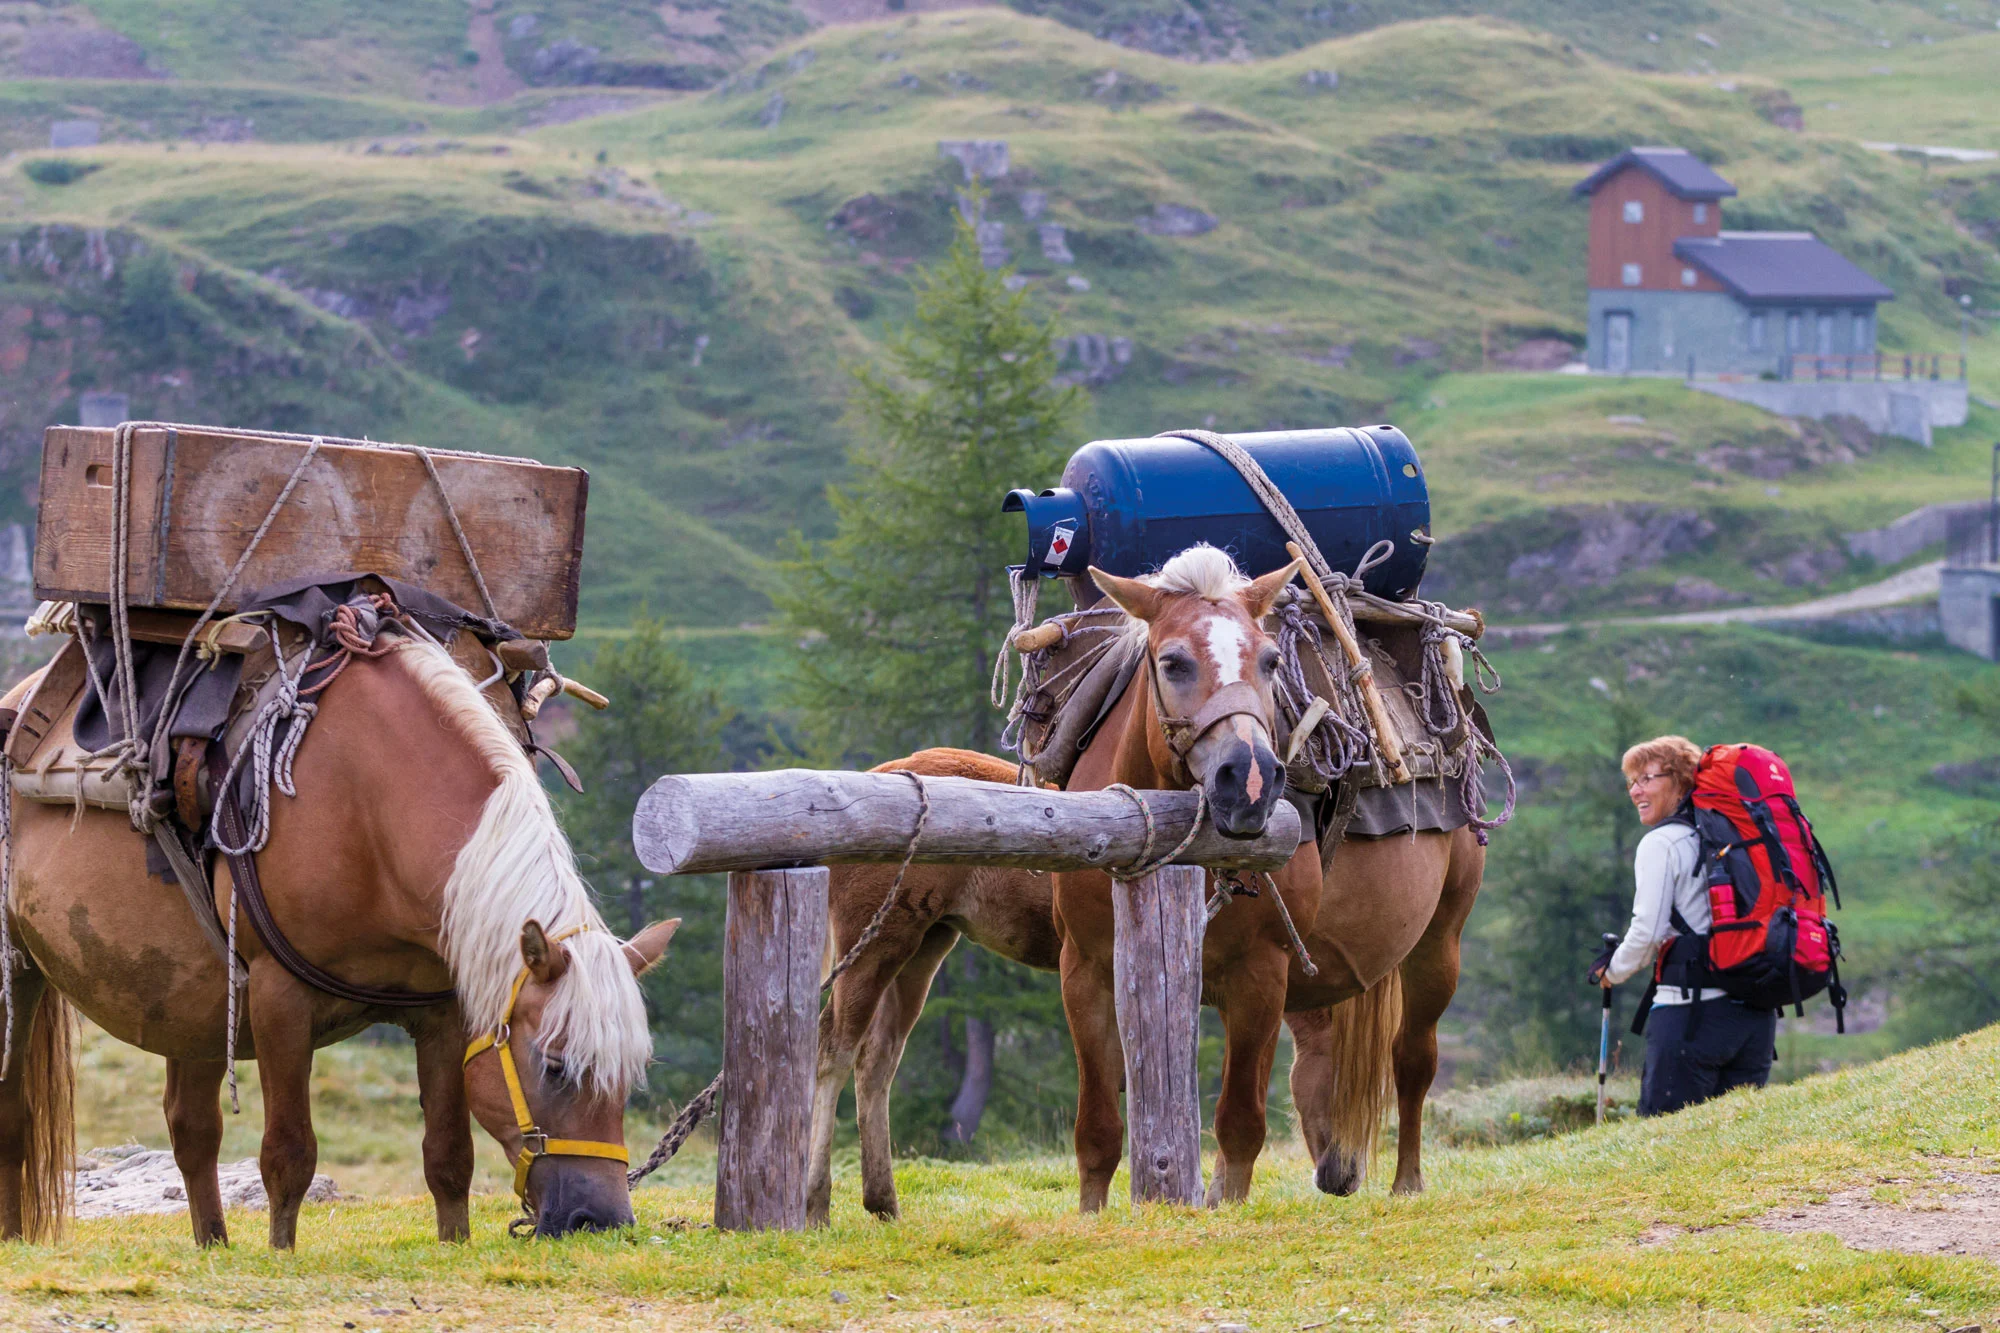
<point x="197" y="494"/>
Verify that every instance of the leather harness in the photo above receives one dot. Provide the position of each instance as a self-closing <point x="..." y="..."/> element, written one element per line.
<point x="500" y="1042"/>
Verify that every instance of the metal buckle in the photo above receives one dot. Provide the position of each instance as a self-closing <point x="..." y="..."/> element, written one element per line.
<point x="528" y="1147"/>
<point x="502" y="1035"/>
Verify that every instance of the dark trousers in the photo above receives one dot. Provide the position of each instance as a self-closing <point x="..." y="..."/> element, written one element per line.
<point x="1730" y="1047"/>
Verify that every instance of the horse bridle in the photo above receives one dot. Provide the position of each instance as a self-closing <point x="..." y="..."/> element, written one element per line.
<point x="500" y="1041"/>
<point x="1239" y="698"/>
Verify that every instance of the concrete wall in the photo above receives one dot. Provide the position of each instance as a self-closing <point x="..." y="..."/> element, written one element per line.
<point x="1967" y="608"/>
<point x="1914" y="532"/>
<point x="1715" y="328"/>
<point x="1905" y="408"/>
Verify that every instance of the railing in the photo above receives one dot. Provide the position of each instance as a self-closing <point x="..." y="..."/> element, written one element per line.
<point x="1870" y="366"/>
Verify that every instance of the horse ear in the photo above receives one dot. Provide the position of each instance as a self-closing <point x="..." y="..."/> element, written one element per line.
<point x="547" y="959"/>
<point x="649" y="945"/>
<point x="1138" y="599"/>
<point x="1262" y="594"/>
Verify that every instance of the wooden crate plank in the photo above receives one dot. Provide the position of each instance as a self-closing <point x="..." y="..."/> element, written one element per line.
<point x="356" y="508"/>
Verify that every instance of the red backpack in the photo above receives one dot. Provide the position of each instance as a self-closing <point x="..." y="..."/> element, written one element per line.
<point x="1768" y="881"/>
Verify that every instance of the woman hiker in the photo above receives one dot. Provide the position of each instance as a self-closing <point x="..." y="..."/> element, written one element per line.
<point x="1699" y="1042"/>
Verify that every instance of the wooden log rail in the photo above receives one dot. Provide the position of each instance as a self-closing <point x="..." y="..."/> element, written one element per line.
<point x="776" y="832"/>
<point x="699" y="823"/>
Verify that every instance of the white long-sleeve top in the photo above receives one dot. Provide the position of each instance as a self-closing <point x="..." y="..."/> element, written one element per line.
<point x="1667" y="869"/>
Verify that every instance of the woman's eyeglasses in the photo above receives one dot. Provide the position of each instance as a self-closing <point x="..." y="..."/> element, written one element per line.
<point x="1643" y="779"/>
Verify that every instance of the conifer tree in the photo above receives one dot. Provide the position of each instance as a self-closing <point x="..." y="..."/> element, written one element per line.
<point x="899" y="614"/>
<point x="901" y="611"/>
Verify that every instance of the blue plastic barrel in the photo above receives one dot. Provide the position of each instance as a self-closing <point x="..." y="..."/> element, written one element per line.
<point x="1129" y="506"/>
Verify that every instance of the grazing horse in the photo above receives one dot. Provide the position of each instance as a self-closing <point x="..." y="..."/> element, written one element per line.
<point x="1385" y="939"/>
<point x="420" y="853"/>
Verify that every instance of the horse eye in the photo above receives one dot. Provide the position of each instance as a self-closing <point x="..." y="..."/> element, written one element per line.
<point x="1178" y="668"/>
<point x="1268" y="663"/>
<point x="555" y="1069"/>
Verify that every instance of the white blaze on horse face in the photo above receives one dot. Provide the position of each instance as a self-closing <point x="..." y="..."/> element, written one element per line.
<point x="1228" y="646"/>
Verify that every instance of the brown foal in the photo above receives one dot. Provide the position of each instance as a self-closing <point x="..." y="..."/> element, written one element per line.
<point x="419" y="854"/>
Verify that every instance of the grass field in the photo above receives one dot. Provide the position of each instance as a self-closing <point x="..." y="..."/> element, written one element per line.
<point x="1640" y="1225"/>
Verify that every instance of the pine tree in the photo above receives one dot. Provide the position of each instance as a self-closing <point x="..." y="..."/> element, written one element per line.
<point x="899" y="614"/>
<point x="903" y="608"/>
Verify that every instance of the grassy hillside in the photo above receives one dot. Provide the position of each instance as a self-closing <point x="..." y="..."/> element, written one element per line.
<point x="1644" y="1225"/>
<point x="666" y="292"/>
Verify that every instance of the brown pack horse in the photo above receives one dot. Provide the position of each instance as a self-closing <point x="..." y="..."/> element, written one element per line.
<point x="421" y="853"/>
<point x="1384" y="935"/>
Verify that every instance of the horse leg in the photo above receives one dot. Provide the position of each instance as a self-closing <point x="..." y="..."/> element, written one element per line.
<point x="281" y="1025"/>
<point x="1089" y="1004"/>
<point x="1250" y="1021"/>
<point x="193" y="1108"/>
<point x="875" y="1072"/>
<point x="440" y="1042"/>
<point x="15" y="1129"/>
<point x="1312" y="1077"/>
<point x="1430" y="979"/>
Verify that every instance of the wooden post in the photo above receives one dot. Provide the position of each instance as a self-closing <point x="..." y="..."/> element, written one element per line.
<point x="771" y="956"/>
<point x="1156" y="977"/>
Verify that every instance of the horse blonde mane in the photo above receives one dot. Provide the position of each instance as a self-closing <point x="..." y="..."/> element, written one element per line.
<point x="517" y="866"/>
<point x="1202" y="571"/>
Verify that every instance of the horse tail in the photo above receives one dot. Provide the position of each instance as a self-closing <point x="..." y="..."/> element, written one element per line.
<point x="48" y="1078"/>
<point x="1364" y="1067"/>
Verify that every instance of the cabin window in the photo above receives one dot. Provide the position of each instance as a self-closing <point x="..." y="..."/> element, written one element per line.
<point x="1629" y="275"/>
<point x="1795" y="332"/>
<point x="1701" y="212"/>
<point x="1687" y="277"/>
<point x="1756" y="333"/>
<point x="1863" y="333"/>
<point x="1634" y="211"/>
<point x="1825" y="332"/>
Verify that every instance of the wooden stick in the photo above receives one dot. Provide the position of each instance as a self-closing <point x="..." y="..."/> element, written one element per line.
<point x="698" y="823"/>
<point x="1156" y="981"/>
<point x="1380" y="610"/>
<point x="578" y="690"/>
<point x="1371" y="698"/>
<point x="1045" y="635"/>
<point x="773" y="939"/>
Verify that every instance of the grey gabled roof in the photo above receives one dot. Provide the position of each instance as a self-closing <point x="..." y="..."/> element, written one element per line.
<point x="1678" y="169"/>
<point x="1780" y="266"/>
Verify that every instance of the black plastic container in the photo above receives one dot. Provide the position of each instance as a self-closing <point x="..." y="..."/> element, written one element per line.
<point x="1129" y="506"/>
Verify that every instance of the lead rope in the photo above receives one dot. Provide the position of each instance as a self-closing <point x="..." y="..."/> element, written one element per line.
<point x="697" y="1110"/>
<point x="236" y="989"/>
<point x="6" y="910"/>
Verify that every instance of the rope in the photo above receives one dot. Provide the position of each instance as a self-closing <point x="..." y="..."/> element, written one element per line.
<point x="131" y="752"/>
<point x="1306" y="963"/>
<point x="1142" y="866"/>
<point x="1026" y="592"/>
<point x="697" y="1110"/>
<point x="235" y="992"/>
<point x="1271" y="498"/>
<point x="451" y="515"/>
<point x="6" y="911"/>
<point x="269" y="766"/>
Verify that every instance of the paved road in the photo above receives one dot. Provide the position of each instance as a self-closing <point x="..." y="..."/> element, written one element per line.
<point x="1912" y="584"/>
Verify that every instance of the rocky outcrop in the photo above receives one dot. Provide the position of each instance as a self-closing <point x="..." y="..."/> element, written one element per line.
<point x="984" y="158"/>
<point x="120" y="1182"/>
<point x="1177" y="220"/>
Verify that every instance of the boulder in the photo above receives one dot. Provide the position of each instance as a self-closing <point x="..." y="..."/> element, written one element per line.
<point x="118" y="1182"/>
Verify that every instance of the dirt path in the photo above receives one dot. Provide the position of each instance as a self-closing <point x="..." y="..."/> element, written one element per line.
<point x="1909" y="586"/>
<point x="1955" y="1212"/>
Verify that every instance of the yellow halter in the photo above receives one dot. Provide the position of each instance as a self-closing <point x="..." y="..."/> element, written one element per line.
<point x="498" y="1040"/>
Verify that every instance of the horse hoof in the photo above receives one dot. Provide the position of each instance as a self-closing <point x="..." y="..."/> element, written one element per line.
<point x="1339" y="1174"/>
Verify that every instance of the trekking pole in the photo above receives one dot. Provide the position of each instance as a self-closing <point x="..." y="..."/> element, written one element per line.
<point x="1604" y="1043"/>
